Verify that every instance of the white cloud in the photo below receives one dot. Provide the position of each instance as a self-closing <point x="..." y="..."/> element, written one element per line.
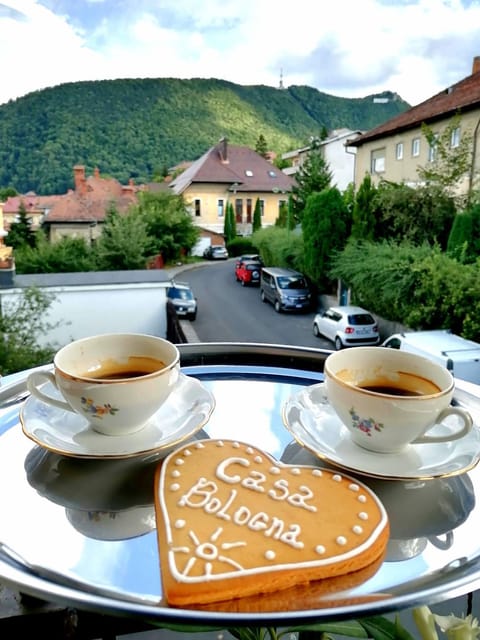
<point x="348" y="48"/>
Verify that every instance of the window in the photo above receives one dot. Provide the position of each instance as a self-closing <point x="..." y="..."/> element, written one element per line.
<point x="262" y="207"/>
<point x="377" y="161"/>
<point x="249" y="173"/>
<point x="239" y="209"/>
<point x="197" y="207"/>
<point x="399" y="151"/>
<point x="249" y="210"/>
<point x="416" y="147"/>
<point x="272" y="173"/>
<point x="432" y="149"/>
<point x="455" y="138"/>
<point x="220" y="208"/>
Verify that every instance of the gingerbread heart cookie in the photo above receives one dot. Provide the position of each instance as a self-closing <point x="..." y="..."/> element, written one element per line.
<point x="232" y="521"/>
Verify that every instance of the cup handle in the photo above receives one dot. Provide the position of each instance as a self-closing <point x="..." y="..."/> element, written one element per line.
<point x="37" y="378"/>
<point x="454" y="435"/>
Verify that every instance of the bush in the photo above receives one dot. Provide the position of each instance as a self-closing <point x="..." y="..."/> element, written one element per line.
<point x="420" y="287"/>
<point x="22" y="322"/>
<point x="280" y="247"/>
<point x="240" y="245"/>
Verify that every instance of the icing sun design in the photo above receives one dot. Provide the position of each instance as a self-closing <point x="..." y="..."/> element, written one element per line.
<point x="208" y="552"/>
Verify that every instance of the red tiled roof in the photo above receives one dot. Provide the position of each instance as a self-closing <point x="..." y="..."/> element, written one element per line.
<point x="88" y="202"/>
<point x="459" y="98"/>
<point x="234" y="165"/>
<point x="31" y="202"/>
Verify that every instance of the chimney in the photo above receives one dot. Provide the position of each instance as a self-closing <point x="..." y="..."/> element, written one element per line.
<point x="223" y="149"/>
<point x="476" y="64"/>
<point x="79" y="179"/>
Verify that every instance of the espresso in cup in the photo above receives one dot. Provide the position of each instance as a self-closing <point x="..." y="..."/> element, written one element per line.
<point x="134" y="367"/>
<point x="389" y="399"/>
<point x="115" y="381"/>
<point x="407" y="385"/>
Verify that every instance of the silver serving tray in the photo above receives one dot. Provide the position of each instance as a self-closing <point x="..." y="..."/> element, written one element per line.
<point x="101" y="561"/>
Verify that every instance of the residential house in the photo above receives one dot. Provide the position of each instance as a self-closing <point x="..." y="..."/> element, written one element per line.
<point x="337" y="153"/>
<point x="233" y="174"/>
<point x="78" y="213"/>
<point x="396" y="149"/>
<point x="36" y="207"/>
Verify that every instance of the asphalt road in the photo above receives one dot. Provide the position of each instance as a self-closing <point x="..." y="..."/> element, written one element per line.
<point x="228" y="312"/>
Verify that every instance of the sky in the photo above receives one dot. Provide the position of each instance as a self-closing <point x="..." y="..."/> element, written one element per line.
<point x="345" y="48"/>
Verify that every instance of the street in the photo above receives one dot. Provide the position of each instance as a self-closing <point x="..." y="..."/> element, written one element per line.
<point x="228" y="312"/>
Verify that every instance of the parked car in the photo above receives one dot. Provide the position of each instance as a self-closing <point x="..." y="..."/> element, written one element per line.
<point x="286" y="289"/>
<point x="215" y="252"/>
<point x="347" y="326"/>
<point x="248" y="272"/>
<point x="460" y="356"/>
<point x="183" y="299"/>
<point x="248" y="256"/>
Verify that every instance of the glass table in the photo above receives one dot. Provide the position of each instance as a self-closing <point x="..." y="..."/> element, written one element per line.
<point x="88" y="526"/>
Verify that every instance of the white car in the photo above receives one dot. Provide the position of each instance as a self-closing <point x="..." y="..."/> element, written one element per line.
<point x="347" y="326"/>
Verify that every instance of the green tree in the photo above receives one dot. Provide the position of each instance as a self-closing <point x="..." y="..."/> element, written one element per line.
<point x="464" y="239"/>
<point x="169" y="225"/>
<point x="23" y="322"/>
<point x="7" y="192"/>
<point x="261" y="146"/>
<point x="21" y="232"/>
<point x="324" y="231"/>
<point x="257" y="216"/>
<point x="363" y="215"/>
<point x="421" y="214"/>
<point x="451" y="163"/>
<point x="124" y="243"/>
<point x="313" y="176"/>
<point x="282" y="219"/>
<point x="229" y="224"/>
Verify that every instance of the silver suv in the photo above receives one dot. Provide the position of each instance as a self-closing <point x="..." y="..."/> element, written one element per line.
<point x="182" y="298"/>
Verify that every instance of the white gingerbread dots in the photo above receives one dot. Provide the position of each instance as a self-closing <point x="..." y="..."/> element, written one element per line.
<point x="228" y="511"/>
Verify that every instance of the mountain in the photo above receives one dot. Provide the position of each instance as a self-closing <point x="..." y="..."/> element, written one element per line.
<point x="136" y="128"/>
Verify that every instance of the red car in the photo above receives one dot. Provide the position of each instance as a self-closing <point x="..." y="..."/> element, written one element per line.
<point x="248" y="272"/>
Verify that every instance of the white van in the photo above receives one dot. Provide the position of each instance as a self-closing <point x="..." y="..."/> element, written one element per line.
<point x="458" y="355"/>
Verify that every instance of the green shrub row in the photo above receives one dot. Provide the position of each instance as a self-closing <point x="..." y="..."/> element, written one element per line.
<point x="419" y="286"/>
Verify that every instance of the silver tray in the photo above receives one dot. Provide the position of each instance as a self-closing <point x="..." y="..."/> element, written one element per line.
<point x="94" y="554"/>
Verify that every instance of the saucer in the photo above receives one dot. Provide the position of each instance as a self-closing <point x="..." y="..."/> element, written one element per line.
<point x="315" y="425"/>
<point x="184" y="413"/>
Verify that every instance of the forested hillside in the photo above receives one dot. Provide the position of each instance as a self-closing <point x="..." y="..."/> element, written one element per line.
<point x="137" y="128"/>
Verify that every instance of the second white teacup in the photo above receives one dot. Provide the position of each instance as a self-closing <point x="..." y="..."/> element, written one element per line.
<point x="389" y="399"/>
<point x="117" y="381"/>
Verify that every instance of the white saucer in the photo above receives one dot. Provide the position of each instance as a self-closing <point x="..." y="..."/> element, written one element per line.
<point x="315" y="425"/>
<point x="184" y="413"/>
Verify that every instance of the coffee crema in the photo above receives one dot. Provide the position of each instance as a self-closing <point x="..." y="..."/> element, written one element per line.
<point x="133" y="367"/>
<point x="407" y="384"/>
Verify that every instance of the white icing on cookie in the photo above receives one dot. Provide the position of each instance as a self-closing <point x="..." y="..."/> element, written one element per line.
<point x="230" y="494"/>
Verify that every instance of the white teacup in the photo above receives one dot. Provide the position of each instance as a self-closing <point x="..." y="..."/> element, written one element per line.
<point x="117" y="381"/>
<point x="389" y="399"/>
